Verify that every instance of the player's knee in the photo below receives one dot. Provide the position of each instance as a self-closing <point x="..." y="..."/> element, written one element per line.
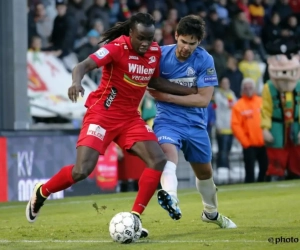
<point x="158" y="163"/>
<point x="82" y="170"/>
<point x="203" y="171"/>
<point x="204" y="176"/>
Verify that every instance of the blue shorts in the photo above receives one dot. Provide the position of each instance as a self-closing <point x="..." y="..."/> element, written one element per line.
<point x="192" y="140"/>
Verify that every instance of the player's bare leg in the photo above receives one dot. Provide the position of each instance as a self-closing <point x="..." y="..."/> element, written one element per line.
<point x="85" y="163"/>
<point x="151" y="153"/>
<point x="208" y="191"/>
<point x="167" y="196"/>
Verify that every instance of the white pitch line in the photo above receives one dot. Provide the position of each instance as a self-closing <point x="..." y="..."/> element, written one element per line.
<point x="147" y="241"/>
<point x="232" y="189"/>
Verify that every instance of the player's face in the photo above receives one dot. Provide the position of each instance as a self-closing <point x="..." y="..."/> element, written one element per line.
<point x="185" y="46"/>
<point x="141" y="37"/>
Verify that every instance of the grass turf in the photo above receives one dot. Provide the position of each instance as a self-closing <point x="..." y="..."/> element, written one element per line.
<point x="261" y="211"/>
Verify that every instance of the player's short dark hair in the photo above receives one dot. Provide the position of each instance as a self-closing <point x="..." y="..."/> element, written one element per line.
<point x="191" y="25"/>
<point x="123" y="28"/>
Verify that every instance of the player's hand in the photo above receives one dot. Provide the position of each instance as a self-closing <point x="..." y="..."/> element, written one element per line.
<point x="74" y="91"/>
<point x="159" y="96"/>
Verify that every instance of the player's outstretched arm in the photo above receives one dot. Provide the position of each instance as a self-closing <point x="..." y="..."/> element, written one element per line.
<point x="201" y="99"/>
<point x="77" y="74"/>
<point x="166" y="86"/>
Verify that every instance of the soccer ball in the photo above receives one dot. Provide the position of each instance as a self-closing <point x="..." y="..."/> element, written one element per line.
<point x="125" y="228"/>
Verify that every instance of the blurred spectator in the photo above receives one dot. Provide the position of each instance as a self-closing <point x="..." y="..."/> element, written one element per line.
<point x="244" y="38"/>
<point x="31" y="25"/>
<point x="36" y="46"/>
<point x="283" y="8"/>
<point x="114" y="6"/>
<point x="234" y="75"/>
<point x="90" y="47"/>
<point x="202" y="12"/>
<point x="216" y="29"/>
<point x="124" y="12"/>
<point x="295" y="6"/>
<point x="64" y="30"/>
<point x="168" y="34"/>
<point x="162" y="6"/>
<point x="158" y="18"/>
<point x="194" y="6"/>
<point x="182" y="8"/>
<point x="75" y="8"/>
<point x="272" y="29"/>
<point x="222" y="11"/>
<point x="98" y="26"/>
<point x="268" y="8"/>
<point x="134" y="4"/>
<point x="172" y="18"/>
<point x="245" y="124"/>
<point x="158" y="37"/>
<point x="250" y="68"/>
<point x="243" y="6"/>
<point x="232" y="8"/>
<point x="44" y="23"/>
<point x="224" y="99"/>
<point x="257" y="12"/>
<point x="292" y="27"/>
<point x="99" y="10"/>
<point x="220" y="57"/>
<point x="143" y="9"/>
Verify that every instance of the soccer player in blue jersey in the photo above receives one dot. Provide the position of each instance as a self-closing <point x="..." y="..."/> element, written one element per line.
<point x="181" y="121"/>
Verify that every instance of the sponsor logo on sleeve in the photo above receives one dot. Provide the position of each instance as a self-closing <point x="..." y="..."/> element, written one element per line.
<point x="101" y="53"/>
<point x="210" y="79"/>
<point x="210" y="71"/>
<point x="111" y="97"/>
<point x="97" y="131"/>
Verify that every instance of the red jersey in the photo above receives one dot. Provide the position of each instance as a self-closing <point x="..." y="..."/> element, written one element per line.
<point x="125" y="77"/>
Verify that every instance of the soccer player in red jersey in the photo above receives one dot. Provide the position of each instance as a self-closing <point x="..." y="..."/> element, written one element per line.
<point x="130" y="61"/>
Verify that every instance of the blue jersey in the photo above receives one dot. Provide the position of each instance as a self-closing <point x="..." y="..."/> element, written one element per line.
<point x="198" y="70"/>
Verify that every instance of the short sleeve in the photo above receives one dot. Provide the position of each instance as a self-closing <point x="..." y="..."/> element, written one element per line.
<point x="207" y="75"/>
<point x="106" y="54"/>
<point x="157" y="68"/>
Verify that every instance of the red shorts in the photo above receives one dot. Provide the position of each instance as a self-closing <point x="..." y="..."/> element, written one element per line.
<point x="98" y="132"/>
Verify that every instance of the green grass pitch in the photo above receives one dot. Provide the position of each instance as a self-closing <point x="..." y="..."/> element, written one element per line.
<point x="261" y="211"/>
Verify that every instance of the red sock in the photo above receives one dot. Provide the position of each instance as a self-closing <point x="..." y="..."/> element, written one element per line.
<point x="61" y="181"/>
<point x="148" y="183"/>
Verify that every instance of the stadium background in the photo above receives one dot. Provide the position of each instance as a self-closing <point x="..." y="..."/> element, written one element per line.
<point x="39" y="126"/>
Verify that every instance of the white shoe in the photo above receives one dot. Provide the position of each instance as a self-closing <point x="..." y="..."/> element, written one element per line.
<point x="34" y="204"/>
<point x="222" y="221"/>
